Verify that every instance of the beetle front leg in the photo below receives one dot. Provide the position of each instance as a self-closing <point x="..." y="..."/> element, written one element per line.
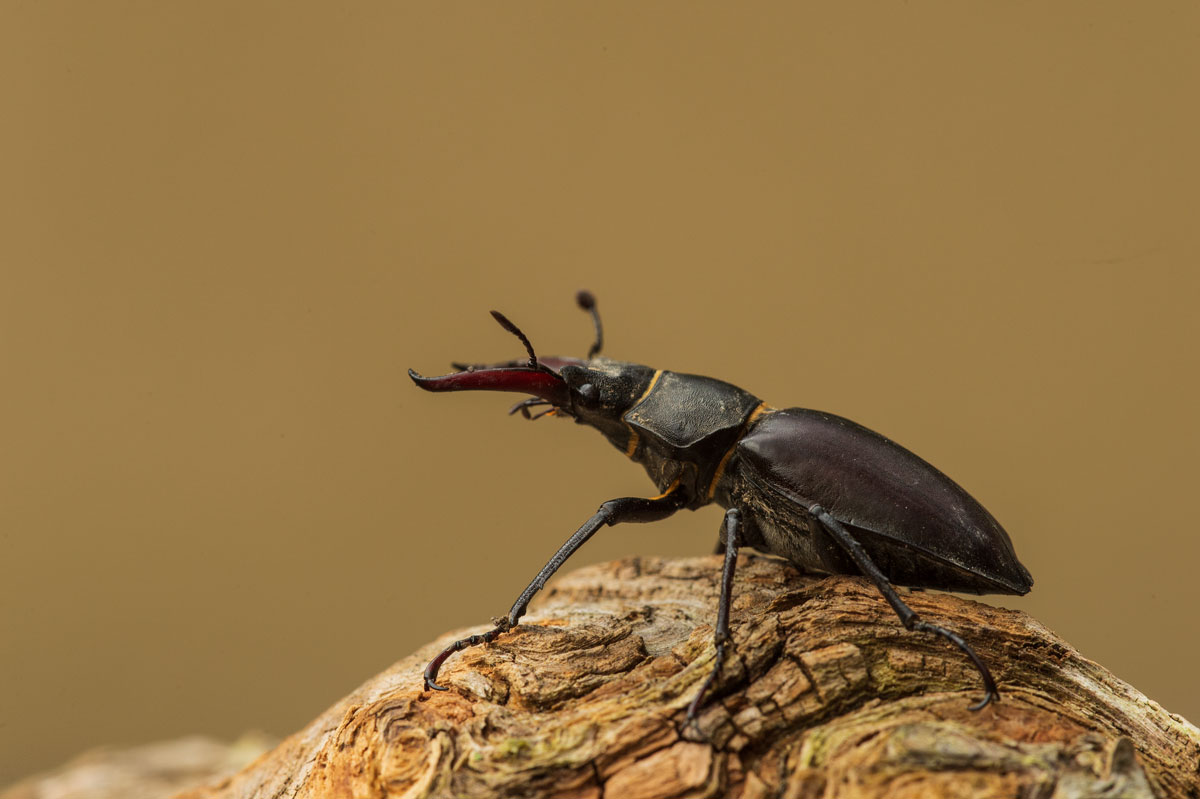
<point x="907" y="615"/>
<point x="722" y="637"/>
<point x="615" y="511"/>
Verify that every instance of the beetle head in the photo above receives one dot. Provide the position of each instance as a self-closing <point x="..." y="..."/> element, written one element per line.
<point x="595" y="391"/>
<point x="603" y="390"/>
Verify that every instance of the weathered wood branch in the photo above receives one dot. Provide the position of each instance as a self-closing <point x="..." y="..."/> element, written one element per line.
<point x="827" y="696"/>
<point x="150" y="771"/>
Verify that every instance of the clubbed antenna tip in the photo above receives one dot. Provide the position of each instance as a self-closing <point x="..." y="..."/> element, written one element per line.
<point x="587" y="302"/>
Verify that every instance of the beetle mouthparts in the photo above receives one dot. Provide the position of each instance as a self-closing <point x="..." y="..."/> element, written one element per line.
<point x="522" y="379"/>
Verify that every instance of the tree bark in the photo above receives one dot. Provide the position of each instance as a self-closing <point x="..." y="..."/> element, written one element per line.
<point x="826" y="695"/>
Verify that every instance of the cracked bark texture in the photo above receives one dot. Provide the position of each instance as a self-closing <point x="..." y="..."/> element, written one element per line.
<point x="826" y="696"/>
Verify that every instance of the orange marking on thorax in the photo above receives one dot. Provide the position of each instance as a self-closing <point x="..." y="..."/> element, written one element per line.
<point x="672" y="487"/>
<point x="763" y="408"/>
<point x="631" y="448"/>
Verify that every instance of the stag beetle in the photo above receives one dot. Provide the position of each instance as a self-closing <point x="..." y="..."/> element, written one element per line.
<point x="823" y="492"/>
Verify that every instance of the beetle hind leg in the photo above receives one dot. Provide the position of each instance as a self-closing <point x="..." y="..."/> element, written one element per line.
<point x="907" y="615"/>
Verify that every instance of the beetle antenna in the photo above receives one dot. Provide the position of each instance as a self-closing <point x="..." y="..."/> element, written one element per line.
<point x="516" y="331"/>
<point x="587" y="301"/>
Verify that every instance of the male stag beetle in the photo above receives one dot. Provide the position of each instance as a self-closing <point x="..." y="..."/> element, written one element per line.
<point x="823" y="492"/>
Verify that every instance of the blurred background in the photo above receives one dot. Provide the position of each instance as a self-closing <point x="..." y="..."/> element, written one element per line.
<point x="228" y="228"/>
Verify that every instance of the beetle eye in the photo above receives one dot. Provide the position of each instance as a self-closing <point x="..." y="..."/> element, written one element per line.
<point x="588" y="392"/>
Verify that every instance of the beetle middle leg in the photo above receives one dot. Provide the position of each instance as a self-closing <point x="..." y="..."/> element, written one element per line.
<point x="722" y="637"/>
<point x="907" y="615"/>
<point x="615" y="511"/>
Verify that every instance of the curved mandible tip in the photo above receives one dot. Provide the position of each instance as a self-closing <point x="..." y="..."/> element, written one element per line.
<point x="521" y="379"/>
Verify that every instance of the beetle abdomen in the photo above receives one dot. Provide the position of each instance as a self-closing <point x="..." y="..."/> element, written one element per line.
<point x="918" y="525"/>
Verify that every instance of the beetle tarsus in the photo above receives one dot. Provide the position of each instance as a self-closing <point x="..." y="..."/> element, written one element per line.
<point x="435" y="665"/>
<point x="693" y="712"/>
<point x="722" y="636"/>
<point x="989" y="684"/>
<point x="988" y="698"/>
<point x="431" y="671"/>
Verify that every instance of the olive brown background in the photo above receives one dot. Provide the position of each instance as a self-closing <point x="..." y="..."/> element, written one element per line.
<point x="228" y="228"/>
